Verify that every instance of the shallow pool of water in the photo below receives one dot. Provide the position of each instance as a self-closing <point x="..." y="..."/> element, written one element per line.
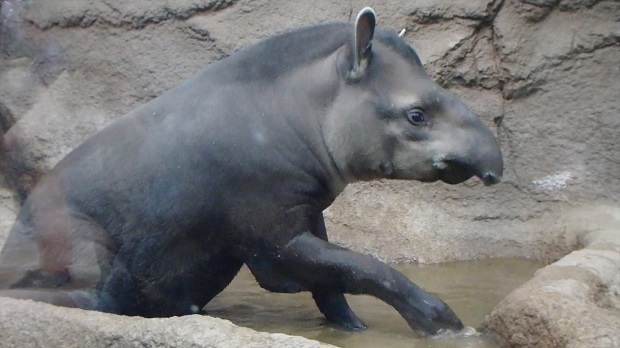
<point x="471" y="288"/>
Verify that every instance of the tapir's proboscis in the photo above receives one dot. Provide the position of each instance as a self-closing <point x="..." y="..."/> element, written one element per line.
<point x="155" y="214"/>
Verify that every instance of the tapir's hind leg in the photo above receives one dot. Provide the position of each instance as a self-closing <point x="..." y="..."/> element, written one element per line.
<point x="178" y="280"/>
<point x="20" y="260"/>
<point x="55" y="255"/>
<point x="52" y="246"/>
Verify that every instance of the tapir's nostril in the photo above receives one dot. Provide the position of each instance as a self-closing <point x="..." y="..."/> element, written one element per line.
<point x="489" y="178"/>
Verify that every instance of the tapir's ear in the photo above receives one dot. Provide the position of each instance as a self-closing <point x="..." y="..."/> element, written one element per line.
<point x="364" y="31"/>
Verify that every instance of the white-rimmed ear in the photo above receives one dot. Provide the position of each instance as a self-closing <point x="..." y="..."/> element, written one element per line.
<point x="364" y="31"/>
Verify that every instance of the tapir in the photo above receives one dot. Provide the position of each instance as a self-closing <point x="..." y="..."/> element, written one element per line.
<point x="155" y="214"/>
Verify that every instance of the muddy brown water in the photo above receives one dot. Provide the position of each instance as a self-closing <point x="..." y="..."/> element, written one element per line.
<point x="471" y="288"/>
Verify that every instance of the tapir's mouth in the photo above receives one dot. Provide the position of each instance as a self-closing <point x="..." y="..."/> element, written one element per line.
<point x="489" y="178"/>
<point x="454" y="172"/>
<point x="454" y="177"/>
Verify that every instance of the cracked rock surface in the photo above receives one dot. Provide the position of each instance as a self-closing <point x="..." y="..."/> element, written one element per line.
<point x="543" y="74"/>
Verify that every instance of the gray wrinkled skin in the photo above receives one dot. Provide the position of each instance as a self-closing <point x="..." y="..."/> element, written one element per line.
<point x="155" y="214"/>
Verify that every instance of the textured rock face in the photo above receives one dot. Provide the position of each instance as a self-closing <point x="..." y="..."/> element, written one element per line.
<point x="542" y="73"/>
<point x="574" y="302"/>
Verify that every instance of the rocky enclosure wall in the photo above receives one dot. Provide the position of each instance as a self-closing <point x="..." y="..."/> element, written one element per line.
<point x="543" y="74"/>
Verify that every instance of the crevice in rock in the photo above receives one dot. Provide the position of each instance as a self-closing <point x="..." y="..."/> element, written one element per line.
<point x="576" y="5"/>
<point x="203" y="35"/>
<point x="515" y="86"/>
<point x="431" y="18"/>
<point x="422" y="17"/>
<point x="524" y="86"/>
<point x="350" y="12"/>
<point x="447" y="66"/>
<point x="121" y="20"/>
<point x="536" y="10"/>
<point x="6" y="120"/>
<point x="498" y="120"/>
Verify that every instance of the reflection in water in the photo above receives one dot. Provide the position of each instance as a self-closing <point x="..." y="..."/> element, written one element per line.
<point x="471" y="288"/>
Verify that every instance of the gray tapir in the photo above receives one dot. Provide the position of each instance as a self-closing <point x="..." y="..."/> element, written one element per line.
<point x="155" y="214"/>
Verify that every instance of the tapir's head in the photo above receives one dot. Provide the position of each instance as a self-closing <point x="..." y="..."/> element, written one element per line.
<point x="391" y="120"/>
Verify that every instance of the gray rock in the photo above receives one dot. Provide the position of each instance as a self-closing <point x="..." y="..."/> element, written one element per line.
<point x="574" y="302"/>
<point x="542" y="73"/>
<point x="550" y="98"/>
<point x="32" y="324"/>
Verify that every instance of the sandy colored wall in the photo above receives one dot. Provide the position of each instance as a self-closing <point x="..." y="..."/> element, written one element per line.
<point x="542" y="74"/>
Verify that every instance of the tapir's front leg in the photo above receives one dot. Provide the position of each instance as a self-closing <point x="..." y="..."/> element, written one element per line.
<point x="331" y="301"/>
<point x="316" y="264"/>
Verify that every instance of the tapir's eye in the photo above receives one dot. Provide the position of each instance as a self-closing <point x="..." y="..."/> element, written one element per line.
<point x="416" y="117"/>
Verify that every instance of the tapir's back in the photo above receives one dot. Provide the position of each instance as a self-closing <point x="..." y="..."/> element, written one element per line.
<point x="172" y="156"/>
<point x="164" y="167"/>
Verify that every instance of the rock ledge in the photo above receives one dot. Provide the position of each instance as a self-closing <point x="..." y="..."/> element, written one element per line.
<point x="34" y="324"/>
<point x="574" y="302"/>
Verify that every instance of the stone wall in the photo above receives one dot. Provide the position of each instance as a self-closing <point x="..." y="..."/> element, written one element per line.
<point x="574" y="302"/>
<point x="542" y="74"/>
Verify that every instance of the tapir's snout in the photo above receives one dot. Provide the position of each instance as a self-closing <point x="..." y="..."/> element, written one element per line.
<point x="490" y="165"/>
<point x="456" y="172"/>
<point x="490" y="178"/>
<point x="480" y="157"/>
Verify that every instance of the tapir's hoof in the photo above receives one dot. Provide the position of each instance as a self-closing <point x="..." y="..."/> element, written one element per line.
<point x="345" y="318"/>
<point x="450" y="322"/>
<point x="436" y="318"/>
<point x="336" y="310"/>
<point x="352" y="323"/>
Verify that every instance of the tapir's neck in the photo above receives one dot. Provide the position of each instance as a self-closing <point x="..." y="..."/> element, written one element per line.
<point x="308" y="94"/>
